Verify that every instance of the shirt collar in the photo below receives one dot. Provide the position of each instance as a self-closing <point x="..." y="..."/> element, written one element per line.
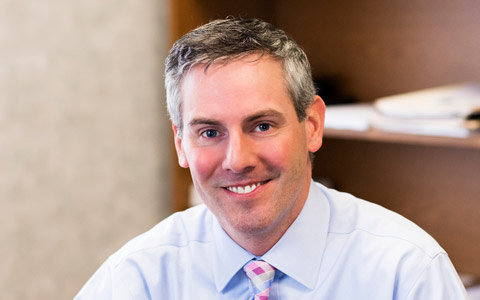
<point x="229" y="256"/>
<point x="297" y="254"/>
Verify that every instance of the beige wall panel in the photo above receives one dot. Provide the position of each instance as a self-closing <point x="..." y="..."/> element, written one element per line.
<point x="83" y="156"/>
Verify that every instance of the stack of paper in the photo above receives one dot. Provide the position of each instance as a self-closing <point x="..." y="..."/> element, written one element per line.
<point x="449" y="127"/>
<point x="349" y="116"/>
<point x="442" y="111"/>
<point x="452" y="101"/>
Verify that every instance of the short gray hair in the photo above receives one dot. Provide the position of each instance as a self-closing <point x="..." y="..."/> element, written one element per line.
<point x="222" y="41"/>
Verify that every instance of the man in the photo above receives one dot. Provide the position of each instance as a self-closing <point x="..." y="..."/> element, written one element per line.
<point x="246" y="121"/>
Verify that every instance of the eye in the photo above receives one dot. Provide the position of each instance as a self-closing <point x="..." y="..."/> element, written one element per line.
<point x="210" y="133"/>
<point x="263" y="127"/>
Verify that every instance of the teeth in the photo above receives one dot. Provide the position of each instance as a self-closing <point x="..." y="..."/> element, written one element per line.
<point x="244" y="189"/>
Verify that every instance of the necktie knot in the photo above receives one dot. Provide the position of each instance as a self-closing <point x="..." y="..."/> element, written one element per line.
<point x="261" y="275"/>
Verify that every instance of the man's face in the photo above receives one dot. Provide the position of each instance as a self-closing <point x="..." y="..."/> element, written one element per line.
<point x="246" y="150"/>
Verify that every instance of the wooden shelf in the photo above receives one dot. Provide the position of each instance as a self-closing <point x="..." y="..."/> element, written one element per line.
<point x="373" y="135"/>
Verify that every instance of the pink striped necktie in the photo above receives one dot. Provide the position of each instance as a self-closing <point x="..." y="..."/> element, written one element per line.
<point x="261" y="275"/>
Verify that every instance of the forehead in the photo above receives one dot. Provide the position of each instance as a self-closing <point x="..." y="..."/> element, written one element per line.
<point x="235" y="88"/>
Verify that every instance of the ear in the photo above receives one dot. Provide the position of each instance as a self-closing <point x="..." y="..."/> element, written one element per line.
<point x="182" y="159"/>
<point x="314" y="122"/>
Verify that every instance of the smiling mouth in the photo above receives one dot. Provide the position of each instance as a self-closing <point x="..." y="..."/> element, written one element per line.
<point x="245" y="189"/>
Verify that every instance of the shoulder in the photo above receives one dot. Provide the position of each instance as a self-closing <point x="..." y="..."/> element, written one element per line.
<point x="382" y="245"/>
<point x="156" y="258"/>
<point x="350" y="215"/>
<point x="176" y="232"/>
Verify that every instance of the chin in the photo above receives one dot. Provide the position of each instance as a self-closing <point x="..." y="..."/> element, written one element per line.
<point x="251" y="225"/>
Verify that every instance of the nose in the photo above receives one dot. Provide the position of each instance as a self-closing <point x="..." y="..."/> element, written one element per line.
<point x="240" y="154"/>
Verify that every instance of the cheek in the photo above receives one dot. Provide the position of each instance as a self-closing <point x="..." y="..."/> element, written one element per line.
<point x="203" y="162"/>
<point x="276" y="155"/>
<point x="286" y="151"/>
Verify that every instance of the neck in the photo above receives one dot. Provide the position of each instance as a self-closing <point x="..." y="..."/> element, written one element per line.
<point x="259" y="243"/>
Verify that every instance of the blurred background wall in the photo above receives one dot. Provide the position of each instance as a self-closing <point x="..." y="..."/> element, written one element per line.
<point x="84" y="155"/>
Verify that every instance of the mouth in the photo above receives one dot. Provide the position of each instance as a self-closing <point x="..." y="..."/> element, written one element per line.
<point x="245" y="189"/>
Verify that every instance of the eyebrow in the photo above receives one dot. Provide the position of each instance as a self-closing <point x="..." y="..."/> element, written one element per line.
<point x="203" y="121"/>
<point x="258" y="115"/>
<point x="265" y="113"/>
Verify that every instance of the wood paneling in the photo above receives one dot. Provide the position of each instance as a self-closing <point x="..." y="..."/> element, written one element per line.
<point x="378" y="48"/>
<point x="188" y="14"/>
<point x="436" y="187"/>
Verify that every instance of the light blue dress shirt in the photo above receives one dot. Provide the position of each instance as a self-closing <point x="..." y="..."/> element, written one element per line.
<point x="339" y="247"/>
